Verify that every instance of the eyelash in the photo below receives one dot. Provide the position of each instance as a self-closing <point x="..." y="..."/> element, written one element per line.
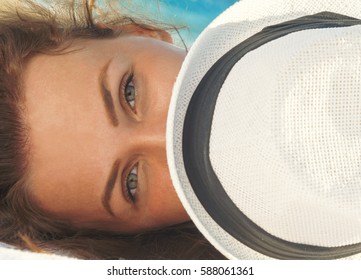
<point x="127" y="188"/>
<point x="128" y="80"/>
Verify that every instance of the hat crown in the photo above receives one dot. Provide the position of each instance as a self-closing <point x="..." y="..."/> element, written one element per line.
<point x="282" y="138"/>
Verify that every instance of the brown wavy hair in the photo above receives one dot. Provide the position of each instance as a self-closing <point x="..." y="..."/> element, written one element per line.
<point x="28" y="29"/>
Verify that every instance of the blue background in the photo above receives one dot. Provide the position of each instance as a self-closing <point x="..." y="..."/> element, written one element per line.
<point x="195" y="14"/>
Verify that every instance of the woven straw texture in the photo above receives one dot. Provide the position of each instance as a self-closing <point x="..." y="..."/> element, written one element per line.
<point x="285" y="139"/>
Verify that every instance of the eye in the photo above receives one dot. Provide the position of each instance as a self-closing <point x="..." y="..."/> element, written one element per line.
<point x="129" y="92"/>
<point x="132" y="183"/>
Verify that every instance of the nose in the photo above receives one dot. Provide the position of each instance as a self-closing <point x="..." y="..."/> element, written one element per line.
<point x="154" y="137"/>
<point x="147" y="138"/>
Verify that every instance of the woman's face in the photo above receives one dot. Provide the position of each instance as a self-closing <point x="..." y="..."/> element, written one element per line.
<point x="97" y="119"/>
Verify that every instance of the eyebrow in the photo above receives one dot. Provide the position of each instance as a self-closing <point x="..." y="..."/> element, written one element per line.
<point x="109" y="187"/>
<point x="106" y="95"/>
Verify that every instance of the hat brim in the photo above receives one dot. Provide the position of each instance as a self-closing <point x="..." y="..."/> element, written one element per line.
<point x="240" y="22"/>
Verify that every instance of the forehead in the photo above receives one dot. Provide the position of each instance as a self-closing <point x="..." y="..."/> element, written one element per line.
<point x="67" y="123"/>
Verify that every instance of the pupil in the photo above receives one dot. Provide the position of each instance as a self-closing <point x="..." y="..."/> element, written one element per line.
<point x="132" y="181"/>
<point x="130" y="93"/>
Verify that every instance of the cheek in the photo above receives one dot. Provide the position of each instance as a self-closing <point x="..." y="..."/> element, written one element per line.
<point x="164" y="68"/>
<point x="164" y="205"/>
<point x="160" y="95"/>
<point x="161" y="185"/>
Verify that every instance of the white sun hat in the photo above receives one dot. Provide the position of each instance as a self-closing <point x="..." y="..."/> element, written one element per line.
<point x="264" y="130"/>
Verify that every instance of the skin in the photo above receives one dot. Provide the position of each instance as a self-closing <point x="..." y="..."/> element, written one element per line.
<point x="76" y="143"/>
